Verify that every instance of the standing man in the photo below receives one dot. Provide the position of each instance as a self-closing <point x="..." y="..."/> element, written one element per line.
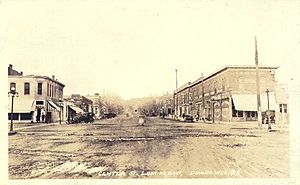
<point x="43" y="115"/>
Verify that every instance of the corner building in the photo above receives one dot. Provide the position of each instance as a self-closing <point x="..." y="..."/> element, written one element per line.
<point x="37" y="97"/>
<point x="228" y="94"/>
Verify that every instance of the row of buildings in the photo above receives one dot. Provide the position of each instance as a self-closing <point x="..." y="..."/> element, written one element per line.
<point x="40" y="99"/>
<point x="230" y="94"/>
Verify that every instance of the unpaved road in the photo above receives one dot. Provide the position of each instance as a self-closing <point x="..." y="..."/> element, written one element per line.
<point x="120" y="148"/>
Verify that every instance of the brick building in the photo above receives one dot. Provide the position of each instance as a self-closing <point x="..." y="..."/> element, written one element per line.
<point x="228" y="94"/>
<point x="37" y="97"/>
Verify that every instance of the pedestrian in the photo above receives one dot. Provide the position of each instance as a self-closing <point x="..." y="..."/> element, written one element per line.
<point x="43" y="115"/>
<point x="47" y="117"/>
<point x="38" y="118"/>
<point x="197" y="117"/>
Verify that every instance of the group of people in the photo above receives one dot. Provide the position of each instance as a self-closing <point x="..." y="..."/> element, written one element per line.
<point x="41" y="116"/>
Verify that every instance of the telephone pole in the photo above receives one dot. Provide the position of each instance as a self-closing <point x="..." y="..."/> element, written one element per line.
<point x="257" y="87"/>
<point x="176" y="91"/>
<point x="203" y="99"/>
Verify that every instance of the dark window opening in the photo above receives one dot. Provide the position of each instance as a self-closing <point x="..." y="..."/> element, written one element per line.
<point x="40" y="88"/>
<point x="40" y="102"/>
<point x="12" y="85"/>
<point x="26" y="88"/>
<point x="47" y="89"/>
<point x="283" y="108"/>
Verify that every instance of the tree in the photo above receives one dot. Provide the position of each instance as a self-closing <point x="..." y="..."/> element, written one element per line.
<point x="112" y="103"/>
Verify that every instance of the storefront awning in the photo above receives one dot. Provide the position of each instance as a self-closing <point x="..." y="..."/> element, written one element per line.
<point x="21" y="105"/>
<point x="76" y="109"/>
<point x="248" y="102"/>
<point x="244" y="102"/>
<point x="52" y="104"/>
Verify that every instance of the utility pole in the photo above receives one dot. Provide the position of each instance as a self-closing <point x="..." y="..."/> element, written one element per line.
<point x="176" y="107"/>
<point x="221" y="101"/>
<point x="203" y="99"/>
<point x="257" y="87"/>
<point x="269" y="119"/>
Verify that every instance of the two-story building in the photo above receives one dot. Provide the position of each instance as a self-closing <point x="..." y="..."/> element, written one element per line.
<point x="37" y="97"/>
<point x="228" y="94"/>
<point x="96" y="105"/>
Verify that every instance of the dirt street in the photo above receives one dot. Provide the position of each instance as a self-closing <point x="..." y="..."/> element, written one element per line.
<point x="120" y="148"/>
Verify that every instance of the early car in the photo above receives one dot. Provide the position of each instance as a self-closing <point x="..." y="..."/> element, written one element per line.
<point x="87" y="117"/>
<point x="109" y="115"/>
<point x="188" y="118"/>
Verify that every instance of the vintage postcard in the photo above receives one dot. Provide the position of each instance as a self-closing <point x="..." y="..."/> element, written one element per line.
<point x="149" y="92"/>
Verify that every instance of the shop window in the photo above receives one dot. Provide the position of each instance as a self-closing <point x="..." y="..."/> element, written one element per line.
<point x="15" y="116"/>
<point x="240" y="113"/>
<point x="25" y="116"/>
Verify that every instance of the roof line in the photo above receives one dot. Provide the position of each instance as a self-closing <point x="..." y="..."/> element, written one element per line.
<point x="37" y="76"/>
<point x="199" y="80"/>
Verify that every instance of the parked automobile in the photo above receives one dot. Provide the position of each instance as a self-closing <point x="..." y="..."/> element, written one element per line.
<point x="87" y="117"/>
<point x="188" y="118"/>
<point x="109" y="115"/>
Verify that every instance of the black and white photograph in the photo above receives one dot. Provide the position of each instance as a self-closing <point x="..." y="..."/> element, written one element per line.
<point x="150" y="92"/>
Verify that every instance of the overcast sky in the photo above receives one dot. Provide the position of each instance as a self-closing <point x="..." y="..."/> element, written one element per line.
<point x="133" y="47"/>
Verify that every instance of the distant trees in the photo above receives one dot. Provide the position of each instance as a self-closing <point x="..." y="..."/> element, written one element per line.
<point x="150" y="108"/>
<point x="112" y="103"/>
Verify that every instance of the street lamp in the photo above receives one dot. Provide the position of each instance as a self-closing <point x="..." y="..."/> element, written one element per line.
<point x="268" y="113"/>
<point x="60" y="104"/>
<point x="13" y="94"/>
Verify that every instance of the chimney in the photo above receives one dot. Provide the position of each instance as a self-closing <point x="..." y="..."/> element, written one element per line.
<point x="9" y="69"/>
<point x="21" y="73"/>
<point x="53" y="77"/>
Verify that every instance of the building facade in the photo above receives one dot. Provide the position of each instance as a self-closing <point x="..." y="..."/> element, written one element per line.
<point x="166" y="104"/>
<point x="37" y="99"/>
<point x="229" y="94"/>
<point x="96" y="105"/>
